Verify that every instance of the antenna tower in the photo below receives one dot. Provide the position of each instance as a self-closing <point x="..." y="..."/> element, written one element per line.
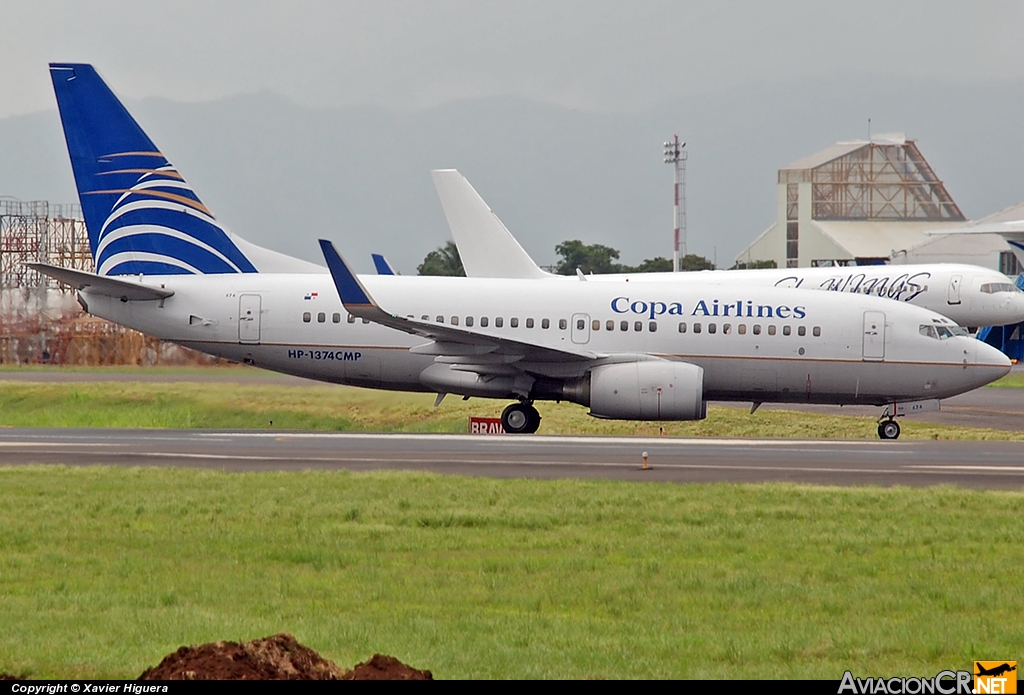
<point x="675" y="153"/>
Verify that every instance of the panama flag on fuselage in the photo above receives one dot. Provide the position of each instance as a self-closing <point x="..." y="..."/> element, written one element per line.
<point x="142" y="217"/>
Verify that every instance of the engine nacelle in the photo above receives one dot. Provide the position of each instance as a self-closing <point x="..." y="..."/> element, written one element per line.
<point x="649" y="390"/>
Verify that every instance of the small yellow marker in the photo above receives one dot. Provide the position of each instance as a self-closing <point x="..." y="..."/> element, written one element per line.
<point x="646" y="467"/>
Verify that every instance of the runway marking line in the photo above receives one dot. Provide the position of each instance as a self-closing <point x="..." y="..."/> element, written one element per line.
<point x="909" y="470"/>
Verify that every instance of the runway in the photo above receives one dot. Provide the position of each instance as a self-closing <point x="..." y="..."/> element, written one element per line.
<point x="829" y="462"/>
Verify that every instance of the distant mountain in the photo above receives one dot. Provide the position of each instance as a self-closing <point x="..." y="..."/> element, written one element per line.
<point x="282" y="175"/>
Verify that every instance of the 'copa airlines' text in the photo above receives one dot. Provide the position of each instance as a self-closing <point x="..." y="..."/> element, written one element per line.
<point x="737" y="309"/>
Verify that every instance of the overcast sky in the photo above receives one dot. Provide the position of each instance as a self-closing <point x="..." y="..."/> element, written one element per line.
<point x="587" y="54"/>
<point x="750" y="85"/>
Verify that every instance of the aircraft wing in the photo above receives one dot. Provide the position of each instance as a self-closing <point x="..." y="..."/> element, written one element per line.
<point x="125" y="290"/>
<point x="452" y="344"/>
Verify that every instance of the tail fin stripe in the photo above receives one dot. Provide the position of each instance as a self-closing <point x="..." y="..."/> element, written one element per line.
<point x="135" y="154"/>
<point x="163" y="172"/>
<point x="163" y="216"/>
<point x="149" y="238"/>
<point x="138" y="264"/>
<point x="158" y="194"/>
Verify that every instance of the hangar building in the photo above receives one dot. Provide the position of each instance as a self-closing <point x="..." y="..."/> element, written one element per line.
<point x="870" y="202"/>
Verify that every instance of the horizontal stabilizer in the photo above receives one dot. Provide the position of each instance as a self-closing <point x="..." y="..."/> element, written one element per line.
<point x="118" y="288"/>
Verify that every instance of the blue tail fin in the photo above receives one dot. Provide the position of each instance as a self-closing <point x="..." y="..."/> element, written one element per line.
<point x="142" y="217"/>
<point x="382" y="265"/>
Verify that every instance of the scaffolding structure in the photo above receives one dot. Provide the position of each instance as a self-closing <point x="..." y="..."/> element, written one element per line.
<point x="889" y="180"/>
<point x="40" y="320"/>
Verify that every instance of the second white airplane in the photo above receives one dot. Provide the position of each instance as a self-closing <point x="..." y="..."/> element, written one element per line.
<point x="969" y="295"/>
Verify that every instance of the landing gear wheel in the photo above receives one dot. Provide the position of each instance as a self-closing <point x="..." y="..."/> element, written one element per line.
<point x="534" y="420"/>
<point x="516" y="419"/>
<point x="890" y="429"/>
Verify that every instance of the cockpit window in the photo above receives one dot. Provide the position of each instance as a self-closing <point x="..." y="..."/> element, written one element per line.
<point x="942" y="332"/>
<point x="993" y="287"/>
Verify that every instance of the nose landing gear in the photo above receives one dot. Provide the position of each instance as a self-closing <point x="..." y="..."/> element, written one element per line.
<point x="889" y="429"/>
<point x="520" y="418"/>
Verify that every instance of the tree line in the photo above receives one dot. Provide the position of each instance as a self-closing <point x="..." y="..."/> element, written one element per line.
<point x="590" y="258"/>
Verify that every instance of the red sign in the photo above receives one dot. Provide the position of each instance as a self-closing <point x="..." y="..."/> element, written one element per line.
<point x="485" y="425"/>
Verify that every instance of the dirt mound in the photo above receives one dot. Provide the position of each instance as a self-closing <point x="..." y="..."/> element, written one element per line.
<point x="386" y="668"/>
<point x="280" y="657"/>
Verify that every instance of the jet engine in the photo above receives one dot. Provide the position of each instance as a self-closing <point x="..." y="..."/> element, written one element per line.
<point x="648" y="390"/>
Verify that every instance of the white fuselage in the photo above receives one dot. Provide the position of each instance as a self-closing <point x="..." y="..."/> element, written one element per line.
<point x="969" y="295"/>
<point x="757" y="344"/>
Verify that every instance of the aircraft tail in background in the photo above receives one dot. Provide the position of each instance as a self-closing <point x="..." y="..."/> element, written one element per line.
<point x="486" y="247"/>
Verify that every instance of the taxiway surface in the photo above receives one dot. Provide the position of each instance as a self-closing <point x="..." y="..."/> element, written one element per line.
<point x="831" y="462"/>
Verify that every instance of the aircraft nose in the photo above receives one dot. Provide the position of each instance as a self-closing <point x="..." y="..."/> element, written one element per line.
<point x="990" y="363"/>
<point x="1016" y="307"/>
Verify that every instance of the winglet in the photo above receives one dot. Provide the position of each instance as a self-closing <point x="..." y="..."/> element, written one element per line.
<point x="353" y="294"/>
<point x="382" y="265"/>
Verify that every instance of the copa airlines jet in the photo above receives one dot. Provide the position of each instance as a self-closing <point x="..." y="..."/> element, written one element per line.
<point x="658" y="351"/>
<point x="968" y="294"/>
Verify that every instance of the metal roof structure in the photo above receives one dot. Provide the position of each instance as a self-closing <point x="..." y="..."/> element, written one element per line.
<point x="885" y="178"/>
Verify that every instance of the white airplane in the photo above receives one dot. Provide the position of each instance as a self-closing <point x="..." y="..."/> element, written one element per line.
<point x="970" y="295"/>
<point x="657" y="352"/>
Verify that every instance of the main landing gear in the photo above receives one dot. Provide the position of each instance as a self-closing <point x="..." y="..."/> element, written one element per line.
<point x="889" y="429"/>
<point x="520" y="418"/>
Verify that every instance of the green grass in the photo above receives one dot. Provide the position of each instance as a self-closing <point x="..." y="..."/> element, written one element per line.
<point x="1010" y="381"/>
<point x="335" y="408"/>
<point x="104" y="571"/>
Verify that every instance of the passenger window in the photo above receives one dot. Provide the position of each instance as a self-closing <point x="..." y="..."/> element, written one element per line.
<point x="424" y="318"/>
<point x="712" y="328"/>
<point x="653" y="326"/>
<point x="741" y="329"/>
<point x="455" y="320"/>
<point x="306" y="317"/>
<point x="696" y="328"/>
<point x="624" y="325"/>
<point x="499" y="322"/>
<point x="513" y="323"/>
<point x="336" y="317"/>
<point x="610" y="325"/>
<point x="351" y="318"/>
<point x="529" y="323"/>
<point x="771" y="329"/>
<point x="786" y="330"/>
<point x="682" y="327"/>
<point x="757" y="329"/>
<point x="726" y="328"/>
<point x="580" y="324"/>
<point x="440" y="319"/>
<point x="483" y="322"/>
<point x="596" y="325"/>
<point x="817" y="331"/>
<point x="801" y="331"/>
<point x="469" y="322"/>
<point x="545" y="324"/>
<point x="321" y="317"/>
<point x="562" y="324"/>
